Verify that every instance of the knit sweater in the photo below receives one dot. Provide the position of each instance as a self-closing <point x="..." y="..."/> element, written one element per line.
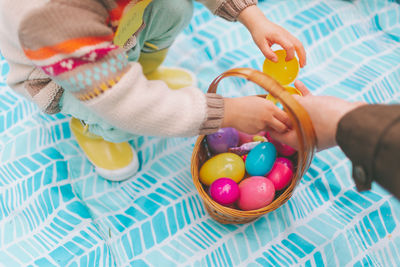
<point x="58" y="45"/>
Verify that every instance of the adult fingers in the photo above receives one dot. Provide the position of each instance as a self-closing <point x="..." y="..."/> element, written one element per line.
<point x="289" y="138"/>
<point x="303" y="89"/>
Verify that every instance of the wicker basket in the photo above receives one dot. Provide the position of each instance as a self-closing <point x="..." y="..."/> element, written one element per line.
<point x="307" y="141"/>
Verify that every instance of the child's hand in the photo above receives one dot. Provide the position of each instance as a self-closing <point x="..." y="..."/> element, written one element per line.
<point x="266" y="33"/>
<point x="252" y="114"/>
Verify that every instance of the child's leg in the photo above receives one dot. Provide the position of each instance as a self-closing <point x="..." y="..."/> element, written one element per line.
<point x="104" y="145"/>
<point x="164" y="21"/>
<point x="115" y="160"/>
<point x="150" y="61"/>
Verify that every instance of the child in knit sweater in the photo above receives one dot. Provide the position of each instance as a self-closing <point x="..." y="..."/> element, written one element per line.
<point x="99" y="61"/>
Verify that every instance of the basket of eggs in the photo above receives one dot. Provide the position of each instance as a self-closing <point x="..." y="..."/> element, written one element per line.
<point x="241" y="177"/>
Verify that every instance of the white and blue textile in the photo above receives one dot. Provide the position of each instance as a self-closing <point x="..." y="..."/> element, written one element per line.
<point x="55" y="210"/>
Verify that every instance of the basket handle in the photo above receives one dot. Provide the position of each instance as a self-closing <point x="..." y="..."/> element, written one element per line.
<point x="301" y="120"/>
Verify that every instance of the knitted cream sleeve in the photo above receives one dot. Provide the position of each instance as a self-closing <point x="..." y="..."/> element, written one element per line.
<point x="227" y="9"/>
<point x="151" y="108"/>
<point x="72" y="44"/>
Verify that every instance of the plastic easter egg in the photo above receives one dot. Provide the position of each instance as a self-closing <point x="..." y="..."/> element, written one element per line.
<point x="227" y="165"/>
<point x="280" y="175"/>
<point x="285" y="161"/>
<point x="260" y="159"/>
<point x="290" y="89"/>
<point x="243" y="149"/>
<point x="246" y="138"/>
<point x="224" y="191"/>
<point x="255" y="192"/>
<point x="284" y="72"/>
<point x="282" y="148"/>
<point x="260" y="138"/>
<point x="293" y="90"/>
<point x="222" y="140"/>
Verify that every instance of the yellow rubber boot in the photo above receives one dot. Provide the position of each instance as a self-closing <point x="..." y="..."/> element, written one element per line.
<point x="175" y="78"/>
<point x="113" y="161"/>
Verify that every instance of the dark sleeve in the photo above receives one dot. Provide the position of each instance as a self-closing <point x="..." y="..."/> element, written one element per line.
<point x="370" y="138"/>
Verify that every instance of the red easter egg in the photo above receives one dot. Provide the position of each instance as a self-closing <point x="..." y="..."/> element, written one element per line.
<point x="286" y="162"/>
<point x="280" y="175"/>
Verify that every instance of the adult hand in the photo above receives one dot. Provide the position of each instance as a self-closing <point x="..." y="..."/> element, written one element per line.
<point x="325" y="113"/>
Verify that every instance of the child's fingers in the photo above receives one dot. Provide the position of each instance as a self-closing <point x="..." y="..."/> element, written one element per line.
<point x="283" y="117"/>
<point x="301" y="52"/>
<point x="300" y="86"/>
<point x="267" y="51"/>
<point x="289" y="47"/>
<point x="277" y="126"/>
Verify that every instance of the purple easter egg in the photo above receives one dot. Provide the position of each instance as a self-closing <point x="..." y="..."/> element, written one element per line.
<point x="224" y="191"/>
<point x="222" y="140"/>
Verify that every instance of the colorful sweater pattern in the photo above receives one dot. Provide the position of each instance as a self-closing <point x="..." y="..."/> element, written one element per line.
<point x="71" y="42"/>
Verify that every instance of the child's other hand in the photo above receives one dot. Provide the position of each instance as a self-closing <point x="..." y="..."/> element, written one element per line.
<point x="266" y="33"/>
<point x="252" y="114"/>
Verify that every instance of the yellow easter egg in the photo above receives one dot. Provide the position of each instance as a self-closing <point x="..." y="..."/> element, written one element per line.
<point x="284" y="72"/>
<point x="290" y="89"/>
<point x="227" y="165"/>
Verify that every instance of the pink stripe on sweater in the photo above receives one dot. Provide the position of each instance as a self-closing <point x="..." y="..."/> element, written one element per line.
<point x="69" y="64"/>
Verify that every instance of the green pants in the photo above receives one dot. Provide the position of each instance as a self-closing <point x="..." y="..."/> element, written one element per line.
<point x="164" y="20"/>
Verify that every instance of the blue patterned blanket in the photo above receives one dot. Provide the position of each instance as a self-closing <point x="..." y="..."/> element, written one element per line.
<point x="55" y="210"/>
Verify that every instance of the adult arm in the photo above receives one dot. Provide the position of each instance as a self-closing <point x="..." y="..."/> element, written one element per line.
<point x="370" y="136"/>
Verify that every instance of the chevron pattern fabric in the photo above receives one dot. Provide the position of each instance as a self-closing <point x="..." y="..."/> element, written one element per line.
<point x="56" y="211"/>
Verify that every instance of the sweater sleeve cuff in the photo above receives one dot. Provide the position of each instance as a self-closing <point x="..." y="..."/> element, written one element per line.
<point x="358" y="136"/>
<point x="231" y="9"/>
<point x="215" y="113"/>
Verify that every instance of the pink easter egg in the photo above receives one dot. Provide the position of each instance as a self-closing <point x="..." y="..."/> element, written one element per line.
<point x="224" y="191"/>
<point x="281" y="148"/>
<point x="246" y="138"/>
<point x="285" y="161"/>
<point x="255" y="192"/>
<point x="280" y="175"/>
